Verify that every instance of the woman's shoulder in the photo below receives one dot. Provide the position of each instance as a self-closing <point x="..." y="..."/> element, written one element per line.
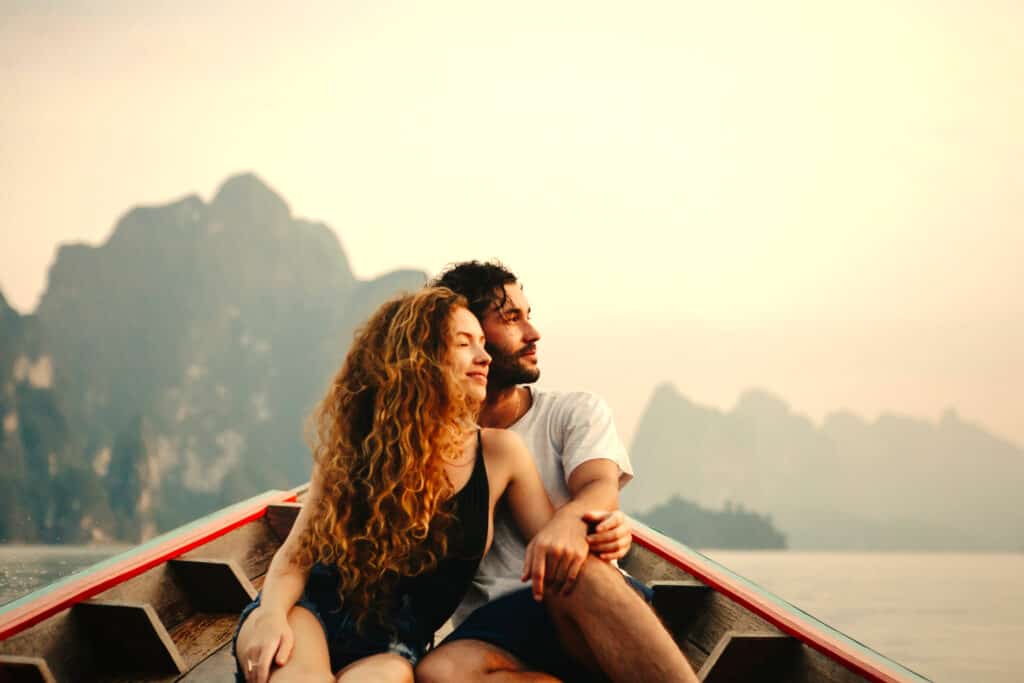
<point x="503" y="444"/>
<point x="495" y="438"/>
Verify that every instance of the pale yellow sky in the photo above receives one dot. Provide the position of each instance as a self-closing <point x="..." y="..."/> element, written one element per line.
<point x="823" y="200"/>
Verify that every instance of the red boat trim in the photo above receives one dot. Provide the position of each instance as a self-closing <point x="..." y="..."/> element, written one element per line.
<point x="759" y="605"/>
<point x="18" y="617"/>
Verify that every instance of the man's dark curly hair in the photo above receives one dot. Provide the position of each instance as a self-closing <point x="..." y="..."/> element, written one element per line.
<point x="483" y="284"/>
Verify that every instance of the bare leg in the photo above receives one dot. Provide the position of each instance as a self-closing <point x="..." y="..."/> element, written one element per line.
<point x="474" y="660"/>
<point x="382" y="668"/>
<point x="309" y="660"/>
<point x="603" y="622"/>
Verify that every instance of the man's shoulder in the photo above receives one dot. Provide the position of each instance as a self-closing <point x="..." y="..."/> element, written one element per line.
<point x="557" y="399"/>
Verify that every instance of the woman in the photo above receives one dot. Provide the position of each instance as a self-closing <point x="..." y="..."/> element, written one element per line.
<point x="400" y="505"/>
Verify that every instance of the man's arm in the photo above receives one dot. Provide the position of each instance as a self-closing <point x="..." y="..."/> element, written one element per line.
<point x="594" y="490"/>
<point x="594" y="487"/>
<point x="596" y="464"/>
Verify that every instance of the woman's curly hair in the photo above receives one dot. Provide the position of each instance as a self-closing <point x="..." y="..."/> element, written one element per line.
<point x="393" y="415"/>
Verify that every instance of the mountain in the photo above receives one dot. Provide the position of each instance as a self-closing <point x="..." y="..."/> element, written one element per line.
<point x="733" y="527"/>
<point x="895" y="483"/>
<point x="180" y="358"/>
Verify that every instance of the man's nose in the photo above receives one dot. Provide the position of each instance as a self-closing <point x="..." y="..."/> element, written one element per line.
<point x="531" y="334"/>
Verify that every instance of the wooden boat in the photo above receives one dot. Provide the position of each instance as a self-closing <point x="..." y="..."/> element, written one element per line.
<point x="166" y="611"/>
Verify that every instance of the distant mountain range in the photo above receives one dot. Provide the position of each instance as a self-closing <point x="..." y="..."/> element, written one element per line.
<point x="896" y="483"/>
<point x="168" y="371"/>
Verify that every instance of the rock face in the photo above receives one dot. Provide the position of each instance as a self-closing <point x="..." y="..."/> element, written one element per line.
<point x="895" y="483"/>
<point x="177" y="363"/>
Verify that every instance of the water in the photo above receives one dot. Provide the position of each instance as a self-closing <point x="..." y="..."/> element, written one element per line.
<point x="23" y="568"/>
<point x="950" y="617"/>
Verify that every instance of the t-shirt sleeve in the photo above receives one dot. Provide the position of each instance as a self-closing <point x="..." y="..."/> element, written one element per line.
<point x="588" y="428"/>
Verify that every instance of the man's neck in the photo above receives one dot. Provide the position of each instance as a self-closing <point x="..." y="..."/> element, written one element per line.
<point x="504" y="407"/>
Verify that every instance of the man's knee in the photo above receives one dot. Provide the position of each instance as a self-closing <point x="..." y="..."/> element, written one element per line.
<point x="438" y="666"/>
<point x="598" y="584"/>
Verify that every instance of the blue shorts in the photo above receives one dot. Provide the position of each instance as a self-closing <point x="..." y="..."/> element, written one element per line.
<point x="345" y="643"/>
<point x="522" y="627"/>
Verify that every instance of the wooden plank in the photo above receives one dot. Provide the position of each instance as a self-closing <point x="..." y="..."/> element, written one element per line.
<point x="814" y="667"/>
<point x="720" y="616"/>
<point x="18" y="669"/>
<point x="214" y="585"/>
<point x="758" y="602"/>
<point x="61" y="641"/>
<point x="251" y="547"/>
<point x="678" y="605"/>
<point x="281" y="517"/>
<point x="217" y="668"/>
<point x="128" y="638"/>
<point x="750" y="658"/>
<point x="680" y="598"/>
<point x="61" y="595"/>
<point x="202" y="635"/>
<point x="161" y="589"/>
<point x="646" y="566"/>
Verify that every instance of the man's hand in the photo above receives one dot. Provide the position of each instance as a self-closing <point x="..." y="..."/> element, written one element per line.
<point x="612" y="537"/>
<point x="557" y="552"/>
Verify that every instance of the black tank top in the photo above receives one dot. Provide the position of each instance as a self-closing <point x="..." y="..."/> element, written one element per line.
<point x="435" y="594"/>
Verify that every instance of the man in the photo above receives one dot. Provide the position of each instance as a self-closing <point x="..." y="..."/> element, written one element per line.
<point x="591" y="623"/>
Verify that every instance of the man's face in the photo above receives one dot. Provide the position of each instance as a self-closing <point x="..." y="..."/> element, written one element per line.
<point x="511" y="340"/>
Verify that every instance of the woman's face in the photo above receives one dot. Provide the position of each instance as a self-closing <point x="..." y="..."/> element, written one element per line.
<point x="466" y="355"/>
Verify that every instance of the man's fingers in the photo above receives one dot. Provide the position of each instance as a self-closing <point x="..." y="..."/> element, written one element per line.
<point x="614" y="554"/>
<point x="595" y="515"/>
<point x="610" y="544"/>
<point x="603" y="538"/>
<point x="605" y="548"/>
<point x="612" y="521"/>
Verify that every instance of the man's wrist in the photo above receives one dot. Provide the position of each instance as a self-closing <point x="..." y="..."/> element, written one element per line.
<point x="573" y="509"/>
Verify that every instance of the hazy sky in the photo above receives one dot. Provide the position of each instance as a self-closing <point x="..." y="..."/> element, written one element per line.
<point x="825" y="200"/>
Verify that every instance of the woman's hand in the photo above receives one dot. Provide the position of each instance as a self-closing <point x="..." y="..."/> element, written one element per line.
<point x="265" y="638"/>
<point x="612" y="535"/>
<point x="556" y="553"/>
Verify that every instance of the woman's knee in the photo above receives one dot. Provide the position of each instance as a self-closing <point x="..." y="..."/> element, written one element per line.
<point x="383" y="668"/>
<point x="300" y="674"/>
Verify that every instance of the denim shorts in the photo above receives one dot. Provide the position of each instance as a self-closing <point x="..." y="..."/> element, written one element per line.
<point x="345" y="643"/>
<point x="521" y="626"/>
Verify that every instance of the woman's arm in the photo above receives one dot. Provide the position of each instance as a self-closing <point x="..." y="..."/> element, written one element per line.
<point x="531" y="510"/>
<point x="266" y="632"/>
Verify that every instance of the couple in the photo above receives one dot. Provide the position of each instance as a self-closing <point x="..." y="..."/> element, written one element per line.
<point x="423" y="497"/>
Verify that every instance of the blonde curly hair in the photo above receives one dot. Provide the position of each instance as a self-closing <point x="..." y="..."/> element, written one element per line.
<point x="392" y="416"/>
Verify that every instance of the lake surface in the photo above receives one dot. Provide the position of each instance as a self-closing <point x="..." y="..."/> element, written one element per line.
<point x="950" y="617"/>
<point x="24" y="568"/>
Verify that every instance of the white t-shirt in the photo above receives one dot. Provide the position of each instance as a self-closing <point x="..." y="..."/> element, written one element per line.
<point x="563" y="430"/>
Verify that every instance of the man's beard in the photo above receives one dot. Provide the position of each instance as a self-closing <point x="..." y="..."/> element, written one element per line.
<point x="507" y="369"/>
